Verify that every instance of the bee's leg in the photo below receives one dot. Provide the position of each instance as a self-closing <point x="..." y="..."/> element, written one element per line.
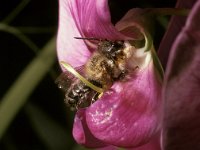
<point x="70" y="103"/>
<point x="75" y="108"/>
<point x="95" y="97"/>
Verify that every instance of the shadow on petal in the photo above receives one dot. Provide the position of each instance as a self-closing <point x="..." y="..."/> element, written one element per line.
<point x="175" y="26"/>
<point x="154" y="144"/>
<point x="182" y="86"/>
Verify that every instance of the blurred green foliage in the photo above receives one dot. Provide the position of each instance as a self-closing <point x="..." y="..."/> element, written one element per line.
<point x="32" y="112"/>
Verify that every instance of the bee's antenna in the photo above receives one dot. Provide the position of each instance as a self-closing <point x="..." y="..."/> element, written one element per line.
<point x="88" y="38"/>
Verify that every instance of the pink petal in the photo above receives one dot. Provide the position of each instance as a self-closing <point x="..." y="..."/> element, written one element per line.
<point x="108" y="148"/>
<point x="181" y="93"/>
<point x="70" y="50"/>
<point x="175" y="26"/>
<point x="82" y="134"/>
<point x="82" y="18"/>
<point x="129" y="115"/>
<point x="154" y="144"/>
<point x="133" y="23"/>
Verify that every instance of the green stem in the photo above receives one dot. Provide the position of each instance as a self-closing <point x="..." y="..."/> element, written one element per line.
<point x="157" y="64"/>
<point x="36" y="30"/>
<point x="25" y="39"/>
<point x="24" y="85"/>
<point x="149" y="46"/>
<point x="163" y="21"/>
<point x="169" y="11"/>
<point x="19" y="35"/>
<point x="16" y="11"/>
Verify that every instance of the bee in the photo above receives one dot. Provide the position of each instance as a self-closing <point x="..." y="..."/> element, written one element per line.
<point x="79" y="91"/>
<point x="84" y="85"/>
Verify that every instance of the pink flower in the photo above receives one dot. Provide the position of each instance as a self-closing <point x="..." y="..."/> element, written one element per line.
<point x="129" y="113"/>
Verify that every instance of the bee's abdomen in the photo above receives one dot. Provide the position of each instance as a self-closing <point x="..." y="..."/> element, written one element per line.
<point x="80" y="96"/>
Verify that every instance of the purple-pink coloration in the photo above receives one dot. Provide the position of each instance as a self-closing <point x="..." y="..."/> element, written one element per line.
<point x="128" y="115"/>
<point x="181" y="127"/>
<point x="82" y="18"/>
<point x="175" y="26"/>
<point x="82" y="133"/>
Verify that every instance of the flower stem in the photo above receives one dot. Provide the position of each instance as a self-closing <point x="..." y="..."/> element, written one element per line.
<point x="169" y="11"/>
<point x="21" y="36"/>
<point x="16" y="11"/>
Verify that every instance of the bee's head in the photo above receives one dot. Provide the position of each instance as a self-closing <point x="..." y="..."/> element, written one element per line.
<point x="110" y="49"/>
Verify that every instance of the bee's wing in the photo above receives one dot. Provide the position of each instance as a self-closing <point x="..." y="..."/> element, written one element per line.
<point x="66" y="79"/>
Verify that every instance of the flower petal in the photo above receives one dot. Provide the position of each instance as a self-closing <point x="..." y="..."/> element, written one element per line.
<point x="181" y="94"/>
<point x="82" y="134"/>
<point x="93" y="19"/>
<point x="138" y="99"/>
<point x="129" y="115"/>
<point x="133" y="23"/>
<point x="154" y="144"/>
<point x="82" y="18"/>
<point x="174" y="27"/>
<point x="108" y="148"/>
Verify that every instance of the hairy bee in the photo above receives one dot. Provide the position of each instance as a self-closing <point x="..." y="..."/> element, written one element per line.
<point x="105" y="66"/>
<point x="77" y="93"/>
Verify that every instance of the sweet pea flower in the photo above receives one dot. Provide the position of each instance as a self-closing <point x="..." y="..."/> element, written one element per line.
<point x="128" y="114"/>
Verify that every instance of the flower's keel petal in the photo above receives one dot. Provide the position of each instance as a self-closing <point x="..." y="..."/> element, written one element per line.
<point x="82" y="134"/>
<point x="175" y="26"/>
<point x="181" y="94"/>
<point x="137" y="24"/>
<point x="127" y="115"/>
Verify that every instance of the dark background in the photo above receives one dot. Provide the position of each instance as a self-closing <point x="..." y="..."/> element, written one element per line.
<point x="43" y="122"/>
